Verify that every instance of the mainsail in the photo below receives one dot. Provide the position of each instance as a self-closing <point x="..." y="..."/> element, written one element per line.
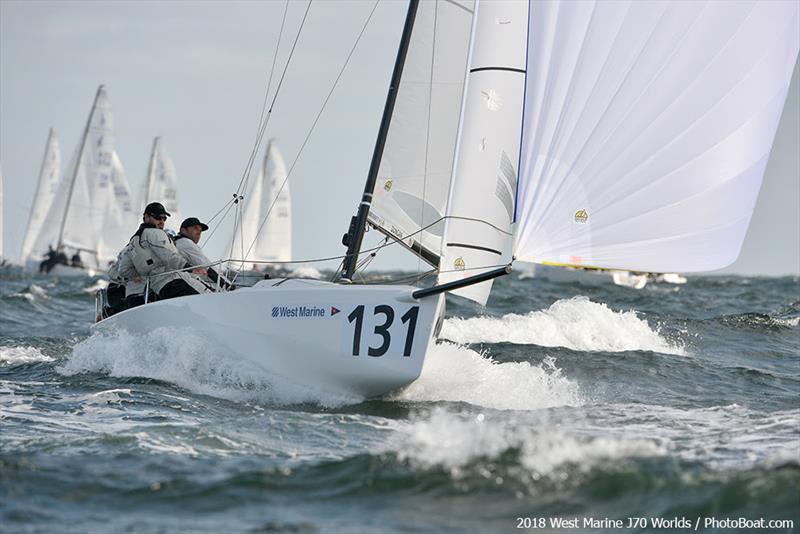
<point x="411" y="190"/>
<point x="161" y="183"/>
<point x="38" y="236"/>
<point x="266" y="226"/>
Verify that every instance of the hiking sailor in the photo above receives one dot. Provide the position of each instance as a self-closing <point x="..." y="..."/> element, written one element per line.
<point x="151" y="253"/>
<point x="187" y="244"/>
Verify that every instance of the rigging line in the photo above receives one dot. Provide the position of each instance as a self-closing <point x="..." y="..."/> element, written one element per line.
<point x="229" y="206"/>
<point x="313" y="125"/>
<point x="261" y="120"/>
<point x="221" y="209"/>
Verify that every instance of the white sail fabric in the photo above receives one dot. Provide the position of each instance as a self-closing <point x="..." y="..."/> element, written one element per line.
<point x="161" y="184"/>
<point x="481" y="206"/>
<point x="648" y="126"/>
<point x="37" y="236"/>
<point x="120" y="218"/>
<point x="78" y="210"/>
<point x="266" y="227"/>
<point x="414" y="174"/>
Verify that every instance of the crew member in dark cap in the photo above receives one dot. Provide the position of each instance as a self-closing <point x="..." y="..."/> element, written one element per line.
<point x="151" y="253"/>
<point x="187" y="244"/>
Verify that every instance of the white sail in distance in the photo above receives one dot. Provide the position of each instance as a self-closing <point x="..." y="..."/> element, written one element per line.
<point x="2" y="214"/>
<point x="161" y="184"/>
<point x="37" y="236"/>
<point x="414" y="175"/>
<point x="78" y="210"/>
<point x="648" y="126"/>
<point x="120" y="218"/>
<point x="266" y="226"/>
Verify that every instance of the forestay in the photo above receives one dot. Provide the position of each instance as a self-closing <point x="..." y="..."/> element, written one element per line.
<point x="648" y="126"/>
<point x="161" y="183"/>
<point x="38" y="236"/>
<point x="413" y="178"/>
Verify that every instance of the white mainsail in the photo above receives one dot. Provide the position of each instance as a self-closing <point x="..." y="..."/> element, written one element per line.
<point x="648" y="126"/>
<point x="412" y="185"/>
<point x="266" y="226"/>
<point x="161" y="183"/>
<point x="38" y="236"/>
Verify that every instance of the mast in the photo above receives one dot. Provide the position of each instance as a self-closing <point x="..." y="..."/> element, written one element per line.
<point x="355" y="234"/>
<point x="149" y="182"/>
<point x="77" y="166"/>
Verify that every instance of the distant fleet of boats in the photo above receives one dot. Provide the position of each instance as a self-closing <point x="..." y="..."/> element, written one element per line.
<point x="80" y="219"/>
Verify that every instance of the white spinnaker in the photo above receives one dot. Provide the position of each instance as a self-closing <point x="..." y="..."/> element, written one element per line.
<point x="120" y="218"/>
<point x="412" y="185"/>
<point x="274" y="240"/>
<point x="161" y="184"/>
<point x="78" y="210"/>
<point x="481" y="206"/>
<point x="37" y="236"/>
<point x="648" y="126"/>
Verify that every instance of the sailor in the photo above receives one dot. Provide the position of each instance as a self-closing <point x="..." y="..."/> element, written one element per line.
<point x="151" y="253"/>
<point x="187" y="244"/>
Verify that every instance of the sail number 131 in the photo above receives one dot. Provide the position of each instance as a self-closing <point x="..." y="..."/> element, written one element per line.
<point x="383" y="316"/>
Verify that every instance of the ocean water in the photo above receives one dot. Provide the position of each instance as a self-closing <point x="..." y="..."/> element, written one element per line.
<point x="554" y="403"/>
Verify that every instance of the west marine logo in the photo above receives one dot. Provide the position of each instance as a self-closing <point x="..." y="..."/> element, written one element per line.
<point x="581" y="216"/>
<point x="459" y="264"/>
<point x="388" y="185"/>
<point x="298" y="312"/>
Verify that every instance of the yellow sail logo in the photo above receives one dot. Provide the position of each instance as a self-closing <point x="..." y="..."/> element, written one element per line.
<point x="581" y="216"/>
<point x="387" y="185"/>
<point x="459" y="264"/>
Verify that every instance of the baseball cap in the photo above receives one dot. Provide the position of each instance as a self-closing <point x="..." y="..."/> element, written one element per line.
<point x="156" y="208"/>
<point x="191" y="221"/>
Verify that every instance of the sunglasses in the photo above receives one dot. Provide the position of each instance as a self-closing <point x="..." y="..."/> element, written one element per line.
<point x="159" y="217"/>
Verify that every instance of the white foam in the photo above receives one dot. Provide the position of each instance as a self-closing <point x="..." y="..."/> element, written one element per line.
<point x="450" y="440"/>
<point x="19" y="355"/>
<point x="95" y="287"/>
<point x="188" y="359"/>
<point x="575" y="323"/>
<point x="458" y="374"/>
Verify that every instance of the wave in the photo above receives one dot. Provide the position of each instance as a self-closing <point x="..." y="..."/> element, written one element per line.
<point x="22" y="355"/>
<point x="187" y="359"/>
<point x="576" y="323"/>
<point x="459" y="374"/>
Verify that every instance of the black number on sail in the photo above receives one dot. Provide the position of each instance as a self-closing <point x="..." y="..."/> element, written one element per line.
<point x="410" y="317"/>
<point x="383" y="330"/>
<point x="357" y="315"/>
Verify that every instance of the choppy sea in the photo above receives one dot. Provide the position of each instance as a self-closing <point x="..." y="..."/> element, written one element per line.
<point x="555" y="403"/>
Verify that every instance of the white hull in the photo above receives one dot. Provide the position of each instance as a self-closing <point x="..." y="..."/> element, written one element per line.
<point x="67" y="271"/>
<point x="307" y="332"/>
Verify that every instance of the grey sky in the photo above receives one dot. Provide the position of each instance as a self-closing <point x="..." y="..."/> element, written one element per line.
<point x="195" y="73"/>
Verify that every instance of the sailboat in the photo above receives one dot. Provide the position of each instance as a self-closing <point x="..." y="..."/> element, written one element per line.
<point x="161" y="182"/>
<point x="37" y="235"/>
<point x="618" y="135"/>
<point x="2" y="258"/>
<point x="82" y="225"/>
<point x="264" y="233"/>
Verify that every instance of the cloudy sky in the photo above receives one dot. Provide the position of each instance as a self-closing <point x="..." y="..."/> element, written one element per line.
<point x="195" y="74"/>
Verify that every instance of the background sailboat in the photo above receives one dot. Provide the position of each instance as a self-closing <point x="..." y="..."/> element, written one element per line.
<point x="161" y="184"/>
<point x="264" y="233"/>
<point x="37" y="235"/>
<point x="88" y="194"/>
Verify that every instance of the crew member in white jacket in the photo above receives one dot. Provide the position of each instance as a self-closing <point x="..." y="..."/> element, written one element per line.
<point x="151" y="253"/>
<point x="187" y="244"/>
